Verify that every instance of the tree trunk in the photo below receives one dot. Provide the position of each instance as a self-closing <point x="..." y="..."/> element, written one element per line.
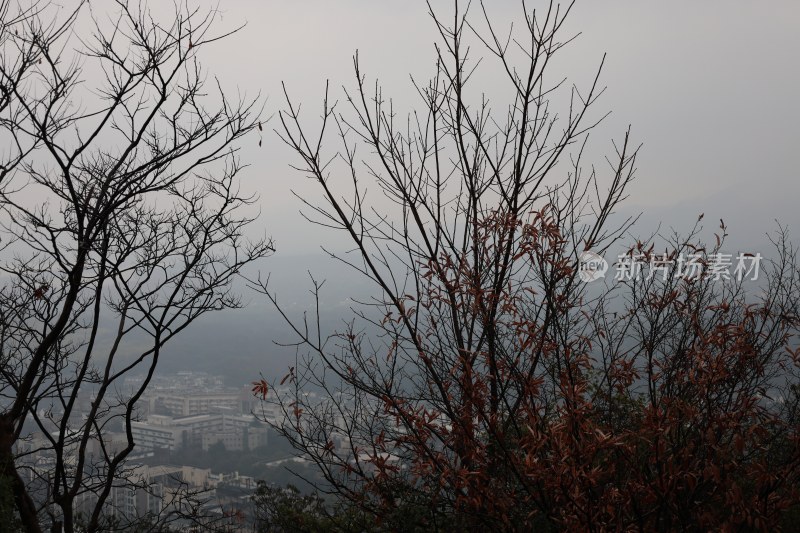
<point x="23" y="501"/>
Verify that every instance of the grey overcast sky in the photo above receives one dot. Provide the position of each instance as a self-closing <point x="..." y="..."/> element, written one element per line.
<point x="709" y="87"/>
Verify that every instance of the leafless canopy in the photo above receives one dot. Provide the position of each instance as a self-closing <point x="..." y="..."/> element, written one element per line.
<point x="122" y="222"/>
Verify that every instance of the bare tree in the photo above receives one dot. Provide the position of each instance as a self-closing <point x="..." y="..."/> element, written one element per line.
<point x="485" y="385"/>
<point x="122" y="223"/>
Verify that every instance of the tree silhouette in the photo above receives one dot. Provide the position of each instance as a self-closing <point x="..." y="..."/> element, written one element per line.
<point x="122" y="223"/>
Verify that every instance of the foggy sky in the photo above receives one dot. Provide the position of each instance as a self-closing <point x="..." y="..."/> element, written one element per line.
<point x="709" y="88"/>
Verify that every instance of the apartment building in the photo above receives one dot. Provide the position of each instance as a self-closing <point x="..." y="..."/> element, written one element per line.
<point x="191" y="404"/>
<point x="152" y="436"/>
<point x="235" y="432"/>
